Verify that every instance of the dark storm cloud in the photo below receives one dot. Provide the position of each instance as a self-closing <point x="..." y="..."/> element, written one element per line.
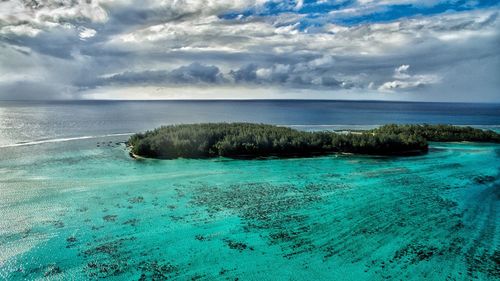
<point x="190" y="74"/>
<point x="196" y="73"/>
<point x="143" y="77"/>
<point x="245" y="74"/>
<point x="293" y="75"/>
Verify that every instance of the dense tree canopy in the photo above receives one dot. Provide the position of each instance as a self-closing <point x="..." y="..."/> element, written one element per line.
<point x="259" y="140"/>
<point x="441" y="133"/>
<point x="239" y="140"/>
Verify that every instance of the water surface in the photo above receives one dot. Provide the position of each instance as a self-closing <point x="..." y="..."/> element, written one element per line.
<point x="82" y="209"/>
<point x="22" y="121"/>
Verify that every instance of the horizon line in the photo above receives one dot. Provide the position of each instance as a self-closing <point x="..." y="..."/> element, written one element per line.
<point x="244" y="100"/>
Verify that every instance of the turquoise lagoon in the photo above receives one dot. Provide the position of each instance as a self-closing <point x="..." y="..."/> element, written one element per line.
<point x="82" y="210"/>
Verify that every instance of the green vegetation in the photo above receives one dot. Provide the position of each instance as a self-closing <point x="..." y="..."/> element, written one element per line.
<point x="441" y="133"/>
<point x="245" y="140"/>
<point x="240" y="140"/>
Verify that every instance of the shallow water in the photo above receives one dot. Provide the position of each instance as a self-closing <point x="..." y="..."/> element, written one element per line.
<point x="79" y="210"/>
<point x="75" y="206"/>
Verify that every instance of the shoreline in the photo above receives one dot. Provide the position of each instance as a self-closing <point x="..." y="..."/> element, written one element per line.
<point x="133" y="155"/>
<point x="408" y="153"/>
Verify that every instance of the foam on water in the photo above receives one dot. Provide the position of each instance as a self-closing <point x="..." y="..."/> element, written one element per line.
<point x="81" y="212"/>
<point x="35" y="142"/>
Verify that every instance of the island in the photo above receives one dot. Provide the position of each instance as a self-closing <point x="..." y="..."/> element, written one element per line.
<point x="248" y="140"/>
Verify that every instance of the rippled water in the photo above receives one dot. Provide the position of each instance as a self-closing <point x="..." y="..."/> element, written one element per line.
<point x="73" y="210"/>
<point x="75" y="206"/>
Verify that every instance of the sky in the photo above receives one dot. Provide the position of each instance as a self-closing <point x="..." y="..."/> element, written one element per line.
<point x="407" y="50"/>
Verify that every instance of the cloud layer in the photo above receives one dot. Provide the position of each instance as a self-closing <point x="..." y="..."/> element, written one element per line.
<point x="399" y="50"/>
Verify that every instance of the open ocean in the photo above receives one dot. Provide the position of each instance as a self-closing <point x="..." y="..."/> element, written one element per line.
<point x="75" y="206"/>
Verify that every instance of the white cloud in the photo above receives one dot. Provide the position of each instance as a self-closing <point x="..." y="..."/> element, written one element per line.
<point x="401" y="72"/>
<point x="253" y="35"/>
<point x="22" y="30"/>
<point x="405" y="81"/>
<point x="279" y="72"/>
<point x="51" y="13"/>
<point x="54" y="13"/>
<point x="86" y="33"/>
<point x="299" y="4"/>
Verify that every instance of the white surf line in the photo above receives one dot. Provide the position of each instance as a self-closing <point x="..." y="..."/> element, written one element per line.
<point x="370" y="125"/>
<point x="334" y="127"/>
<point x="338" y="127"/>
<point x="63" y="140"/>
<point x="324" y="125"/>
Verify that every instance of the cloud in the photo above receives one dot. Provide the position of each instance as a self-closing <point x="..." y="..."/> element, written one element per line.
<point x="194" y="73"/>
<point x="401" y="72"/>
<point x="86" y="33"/>
<point x="247" y="73"/>
<point x="295" y="75"/>
<point x="406" y="81"/>
<point x="21" y="30"/>
<point x="332" y="46"/>
<point x="50" y="13"/>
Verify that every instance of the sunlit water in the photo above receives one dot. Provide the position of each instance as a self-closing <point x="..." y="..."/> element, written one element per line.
<point x="79" y="208"/>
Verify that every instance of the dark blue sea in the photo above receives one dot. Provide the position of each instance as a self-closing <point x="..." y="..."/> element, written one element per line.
<point x="22" y="121"/>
